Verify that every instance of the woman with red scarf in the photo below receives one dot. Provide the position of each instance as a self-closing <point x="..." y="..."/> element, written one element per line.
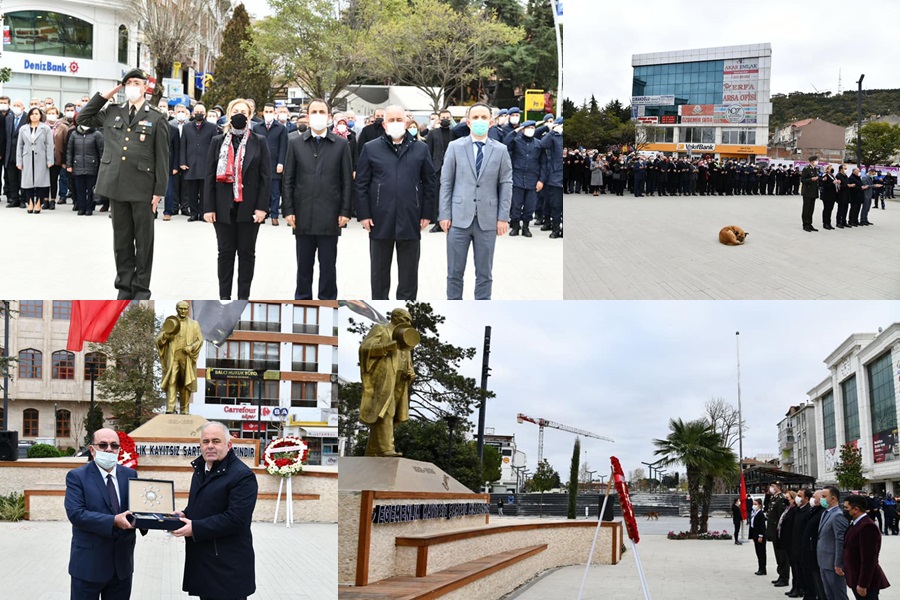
<point x="236" y="198"/>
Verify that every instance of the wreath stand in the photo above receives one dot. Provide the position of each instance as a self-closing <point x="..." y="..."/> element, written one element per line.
<point x="289" y="502"/>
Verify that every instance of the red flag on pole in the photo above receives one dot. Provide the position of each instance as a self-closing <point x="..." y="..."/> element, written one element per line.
<point x="92" y="321"/>
<point x="743" y="498"/>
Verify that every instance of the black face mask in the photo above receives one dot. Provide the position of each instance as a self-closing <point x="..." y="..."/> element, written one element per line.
<point x="379" y="121"/>
<point x="238" y="121"/>
<point x="301" y="127"/>
<point x="199" y="117"/>
<point x="445" y="123"/>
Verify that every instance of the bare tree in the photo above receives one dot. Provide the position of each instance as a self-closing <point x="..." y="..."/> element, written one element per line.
<point x="724" y="418"/>
<point x="168" y="29"/>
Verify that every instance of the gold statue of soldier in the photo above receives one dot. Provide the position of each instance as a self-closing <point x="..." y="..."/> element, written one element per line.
<point x="178" y="343"/>
<point x="386" y="369"/>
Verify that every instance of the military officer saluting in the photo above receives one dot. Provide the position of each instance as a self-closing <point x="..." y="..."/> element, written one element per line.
<point x="134" y="173"/>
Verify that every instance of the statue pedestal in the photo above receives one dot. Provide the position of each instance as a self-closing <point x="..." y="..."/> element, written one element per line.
<point x="171" y="426"/>
<point x="174" y="440"/>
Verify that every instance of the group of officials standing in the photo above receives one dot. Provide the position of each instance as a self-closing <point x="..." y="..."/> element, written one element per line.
<point x="485" y="177"/>
<point x="854" y="195"/>
<point x="822" y="545"/>
<point x="219" y="559"/>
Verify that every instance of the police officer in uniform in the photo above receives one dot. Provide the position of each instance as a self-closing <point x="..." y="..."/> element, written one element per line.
<point x="134" y="174"/>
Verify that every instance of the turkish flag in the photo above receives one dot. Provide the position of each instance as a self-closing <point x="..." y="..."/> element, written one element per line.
<point x="743" y="498"/>
<point x="92" y="321"/>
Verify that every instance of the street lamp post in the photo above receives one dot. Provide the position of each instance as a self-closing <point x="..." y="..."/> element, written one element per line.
<point x="452" y="422"/>
<point x="859" y="122"/>
<point x="92" y="370"/>
<point x="5" y="363"/>
<point x="590" y="479"/>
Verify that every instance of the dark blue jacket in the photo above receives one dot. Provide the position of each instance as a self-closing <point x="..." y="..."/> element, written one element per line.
<point x="99" y="549"/>
<point x="194" y="149"/>
<point x="395" y="189"/>
<point x="219" y="560"/>
<point x="12" y="136"/>
<point x="277" y="137"/>
<point x="526" y="154"/>
<point x="175" y="145"/>
<point x="551" y="163"/>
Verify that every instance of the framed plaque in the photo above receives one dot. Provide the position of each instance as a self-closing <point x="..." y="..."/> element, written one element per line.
<point x="152" y="504"/>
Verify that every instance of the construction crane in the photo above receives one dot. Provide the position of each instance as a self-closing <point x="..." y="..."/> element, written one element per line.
<point x="541" y="423"/>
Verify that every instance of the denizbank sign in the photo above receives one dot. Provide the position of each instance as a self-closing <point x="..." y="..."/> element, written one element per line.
<point x="35" y="64"/>
<point x="48" y="66"/>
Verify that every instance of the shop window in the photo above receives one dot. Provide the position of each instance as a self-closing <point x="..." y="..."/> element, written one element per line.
<point x="50" y="34"/>
<point x="31" y="364"/>
<point x="63" y="365"/>
<point x="30" y="422"/>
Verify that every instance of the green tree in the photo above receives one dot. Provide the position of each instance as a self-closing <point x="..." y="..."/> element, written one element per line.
<point x="349" y="427"/>
<point x="93" y="420"/>
<point x="435" y="53"/>
<point x="508" y="12"/>
<point x="573" y="480"/>
<point x="697" y="446"/>
<point x="848" y="470"/>
<point x="568" y="109"/>
<point x="439" y="388"/>
<point x="132" y="383"/>
<point x="238" y="71"/>
<point x="544" y="478"/>
<point x="880" y="142"/>
<point x="492" y="464"/>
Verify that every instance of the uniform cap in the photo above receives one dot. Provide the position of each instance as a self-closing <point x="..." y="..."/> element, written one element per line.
<point x="134" y="74"/>
<point x="527" y="124"/>
<point x="514" y="110"/>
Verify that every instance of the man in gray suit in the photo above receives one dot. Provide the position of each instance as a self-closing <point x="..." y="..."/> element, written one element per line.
<point x="868" y="186"/>
<point x="476" y="193"/>
<point x="830" y="548"/>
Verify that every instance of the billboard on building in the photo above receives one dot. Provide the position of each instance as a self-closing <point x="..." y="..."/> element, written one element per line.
<point x="665" y="100"/>
<point x="885" y="446"/>
<point x="718" y="114"/>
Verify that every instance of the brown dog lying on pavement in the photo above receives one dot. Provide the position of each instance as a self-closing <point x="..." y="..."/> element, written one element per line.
<point x="732" y="235"/>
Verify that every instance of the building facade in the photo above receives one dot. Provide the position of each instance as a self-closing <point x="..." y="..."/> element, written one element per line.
<point x="706" y="101"/>
<point x="802" y="139"/>
<point x="857" y="404"/>
<point x="67" y="49"/>
<point x="512" y="463"/>
<point x="50" y="387"/>
<point x="797" y="440"/>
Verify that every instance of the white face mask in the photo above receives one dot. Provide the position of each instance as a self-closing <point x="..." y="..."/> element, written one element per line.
<point x="52" y="118"/>
<point x="283" y="117"/>
<point x="772" y="489"/>
<point x="514" y="121"/>
<point x="798" y="500"/>
<point x="181" y="117"/>
<point x="133" y="93"/>
<point x="528" y="132"/>
<point x="17" y="110"/>
<point x="342" y="128"/>
<point x="4" y="106"/>
<point x="396" y="130"/>
<point x="70" y="114"/>
<point x="212" y="120"/>
<point x="558" y="129"/>
<point x="268" y="118"/>
<point x="106" y="460"/>
<point x="318" y="122"/>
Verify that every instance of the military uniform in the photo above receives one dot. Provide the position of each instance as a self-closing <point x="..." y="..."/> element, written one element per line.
<point x="133" y="169"/>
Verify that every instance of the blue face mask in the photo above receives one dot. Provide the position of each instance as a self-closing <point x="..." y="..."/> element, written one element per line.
<point x="823" y="502"/>
<point x="479" y="128"/>
<point x="413" y="131"/>
<point x="351" y="124"/>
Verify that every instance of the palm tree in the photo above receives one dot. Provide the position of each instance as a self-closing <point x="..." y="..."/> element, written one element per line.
<point x="698" y="447"/>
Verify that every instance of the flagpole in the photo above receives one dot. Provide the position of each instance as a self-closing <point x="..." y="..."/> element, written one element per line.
<point x="737" y="341"/>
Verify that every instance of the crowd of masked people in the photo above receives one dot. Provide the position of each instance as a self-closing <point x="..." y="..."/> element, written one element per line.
<point x="824" y="542"/>
<point x="51" y="159"/>
<point x="593" y="172"/>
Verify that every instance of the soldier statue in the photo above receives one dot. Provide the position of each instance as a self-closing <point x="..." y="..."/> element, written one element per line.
<point x="179" y="343"/>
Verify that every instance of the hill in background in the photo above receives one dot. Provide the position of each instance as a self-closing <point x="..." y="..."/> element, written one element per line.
<point x="838" y="109"/>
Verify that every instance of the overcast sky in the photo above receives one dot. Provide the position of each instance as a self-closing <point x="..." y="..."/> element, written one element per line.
<point x="622" y="369"/>
<point x="810" y="41"/>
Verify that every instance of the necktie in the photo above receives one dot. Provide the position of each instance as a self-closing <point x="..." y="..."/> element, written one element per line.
<point x="131" y="114"/>
<point x="479" y="158"/>
<point x="111" y="490"/>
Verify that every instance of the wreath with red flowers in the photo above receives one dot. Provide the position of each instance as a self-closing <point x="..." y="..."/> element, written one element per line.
<point x="285" y="456"/>
<point x="625" y="500"/>
<point x="128" y="455"/>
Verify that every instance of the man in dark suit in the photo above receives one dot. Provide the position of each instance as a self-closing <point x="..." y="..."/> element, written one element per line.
<point x="173" y="192"/>
<point x="195" y="142"/>
<point x="102" y="553"/>
<point x="810" y="183"/>
<point x="14" y="124"/>
<point x="4" y="152"/>
<point x="437" y="141"/>
<point x="318" y="183"/>
<point x="801" y="518"/>
<point x="371" y="132"/>
<point x="276" y="138"/>
<point x="757" y="533"/>
<point x="395" y="202"/>
<point x="777" y="505"/>
<point x="134" y="175"/>
<point x="862" y="544"/>
<point x="813" y="588"/>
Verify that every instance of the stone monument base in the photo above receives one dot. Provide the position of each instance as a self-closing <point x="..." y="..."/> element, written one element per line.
<point x="170" y="426"/>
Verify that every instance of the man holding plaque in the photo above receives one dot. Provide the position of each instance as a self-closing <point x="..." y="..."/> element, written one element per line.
<point x="102" y="553"/>
<point x="219" y="558"/>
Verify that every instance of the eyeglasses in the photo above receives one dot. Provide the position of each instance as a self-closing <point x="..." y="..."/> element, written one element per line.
<point x="105" y="445"/>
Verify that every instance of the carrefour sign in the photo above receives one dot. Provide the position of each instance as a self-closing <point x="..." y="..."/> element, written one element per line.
<point x="48" y="66"/>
